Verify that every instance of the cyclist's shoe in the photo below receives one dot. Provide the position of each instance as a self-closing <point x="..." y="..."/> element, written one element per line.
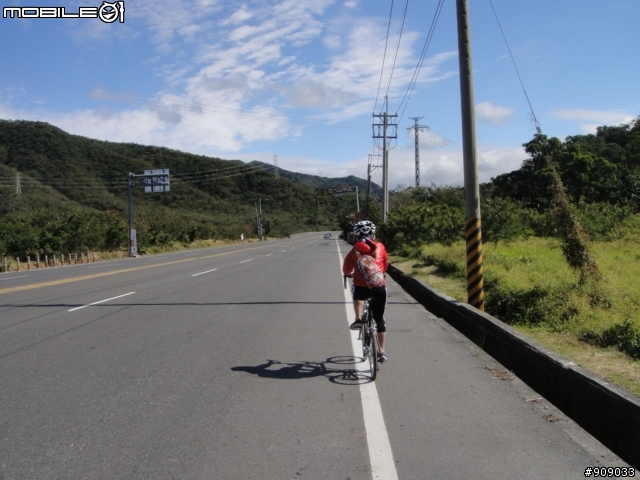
<point x="382" y="357"/>
<point x="357" y="325"/>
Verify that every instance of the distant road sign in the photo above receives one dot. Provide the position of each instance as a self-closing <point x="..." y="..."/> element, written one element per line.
<point x="156" y="180"/>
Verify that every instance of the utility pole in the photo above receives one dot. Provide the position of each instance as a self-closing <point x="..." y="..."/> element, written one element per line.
<point x="385" y="136"/>
<point x="259" y="211"/>
<point x="417" y="128"/>
<point x="132" y="244"/>
<point x="153" y="181"/>
<point x="473" y="231"/>
<point x="275" y="164"/>
<point x="370" y="167"/>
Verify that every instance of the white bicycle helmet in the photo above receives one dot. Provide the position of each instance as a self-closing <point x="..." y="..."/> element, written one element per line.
<point x="364" y="229"/>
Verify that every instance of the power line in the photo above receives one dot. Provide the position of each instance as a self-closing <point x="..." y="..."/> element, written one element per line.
<point x="404" y="16"/>
<point x="86" y="185"/>
<point x="516" y="69"/>
<point x="384" y="56"/>
<point x="423" y="54"/>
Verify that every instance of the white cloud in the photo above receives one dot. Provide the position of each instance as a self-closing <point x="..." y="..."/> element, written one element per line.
<point x="487" y="112"/>
<point x="442" y="165"/>
<point x="593" y="117"/>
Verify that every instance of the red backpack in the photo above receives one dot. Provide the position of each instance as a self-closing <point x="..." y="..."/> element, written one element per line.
<point x="372" y="275"/>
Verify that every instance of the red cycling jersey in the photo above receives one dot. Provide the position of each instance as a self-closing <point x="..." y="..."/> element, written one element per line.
<point x="350" y="265"/>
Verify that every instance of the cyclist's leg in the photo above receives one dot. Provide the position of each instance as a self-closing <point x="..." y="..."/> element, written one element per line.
<point x="360" y="294"/>
<point x="378" y="306"/>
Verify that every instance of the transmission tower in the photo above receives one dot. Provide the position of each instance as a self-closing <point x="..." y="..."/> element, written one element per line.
<point x="417" y="128"/>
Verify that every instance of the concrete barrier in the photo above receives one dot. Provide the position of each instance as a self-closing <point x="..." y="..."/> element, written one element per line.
<point x="609" y="413"/>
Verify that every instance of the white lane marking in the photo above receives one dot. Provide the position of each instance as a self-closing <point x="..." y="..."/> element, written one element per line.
<point x="380" y="455"/>
<point x="245" y="261"/>
<point x="101" y="301"/>
<point x="202" y="273"/>
<point x="11" y="278"/>
<point x="158" y="258"/>
<point x="268" y="254"/>
<point x="284" y="250"/>
<point x="100" y="266"/>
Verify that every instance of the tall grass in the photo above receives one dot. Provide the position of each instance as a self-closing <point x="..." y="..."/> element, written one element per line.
<point x="529" y="283"/>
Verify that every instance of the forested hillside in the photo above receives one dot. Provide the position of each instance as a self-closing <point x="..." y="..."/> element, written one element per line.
<point x="74" y="184"/>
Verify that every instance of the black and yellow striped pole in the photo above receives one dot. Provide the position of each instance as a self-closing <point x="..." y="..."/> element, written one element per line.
<point x="475" y="282"/>
<point x="473" y="230"/>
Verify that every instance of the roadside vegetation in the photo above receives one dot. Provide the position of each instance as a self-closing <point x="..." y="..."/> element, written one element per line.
<point x="73" y="196"/>
<point x="565" y="271"/>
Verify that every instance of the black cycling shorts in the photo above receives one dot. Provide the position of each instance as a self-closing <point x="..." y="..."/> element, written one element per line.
<point x="378" y="298"/>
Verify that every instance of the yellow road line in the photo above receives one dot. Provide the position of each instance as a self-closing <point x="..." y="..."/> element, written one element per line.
<point x="105" y="274"/>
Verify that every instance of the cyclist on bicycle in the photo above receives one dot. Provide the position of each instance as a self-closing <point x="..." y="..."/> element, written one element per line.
<point x="364" y="233"/>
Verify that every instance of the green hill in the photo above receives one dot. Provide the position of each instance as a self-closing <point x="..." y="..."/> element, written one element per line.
<point x="65" y="176"/>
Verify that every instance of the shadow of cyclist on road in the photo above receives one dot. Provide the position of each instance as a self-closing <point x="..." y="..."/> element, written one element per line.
<point x="305" y="369"/>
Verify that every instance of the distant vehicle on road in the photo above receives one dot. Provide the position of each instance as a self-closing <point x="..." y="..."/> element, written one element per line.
<point x="327" y="235"/>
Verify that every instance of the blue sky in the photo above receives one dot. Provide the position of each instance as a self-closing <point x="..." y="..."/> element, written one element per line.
<point x="300" y="79"/>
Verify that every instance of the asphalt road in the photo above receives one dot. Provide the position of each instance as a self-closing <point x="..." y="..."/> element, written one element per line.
<point x="237" y="363"/>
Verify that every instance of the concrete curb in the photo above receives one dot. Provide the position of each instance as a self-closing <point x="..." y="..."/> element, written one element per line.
<point x="609" y="413"/>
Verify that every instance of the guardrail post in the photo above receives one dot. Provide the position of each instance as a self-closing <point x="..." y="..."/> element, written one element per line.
<point x="18" y="263"/>
<point x="4" y="266"/>
<point x="28" y="262"/>
<point x="75" y="258"/>
<point x="38" y="261"/>
<point x="54" y="260"/>
<point x="46" y="261"/>
<point x="93" y="254"/>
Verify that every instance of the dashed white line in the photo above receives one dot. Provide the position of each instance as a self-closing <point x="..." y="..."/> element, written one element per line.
<point x="284" y="250"/>
<point x="101" y="301"/>
<point x="268" y="254"/>
<point x="100" y="266"/>
<point x="245" y="261"/>
<point x="10" y="278"/>
<point x="202" y="273"/>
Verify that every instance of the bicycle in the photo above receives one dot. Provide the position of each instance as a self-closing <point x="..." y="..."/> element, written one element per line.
<point x="369" y="337"/>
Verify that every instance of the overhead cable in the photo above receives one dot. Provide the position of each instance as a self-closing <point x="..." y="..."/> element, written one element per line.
<point x="404" y="16"/>
<point x="384" y="56"/>
<point x="423" y="54"/>
<point x="516" y="69"/>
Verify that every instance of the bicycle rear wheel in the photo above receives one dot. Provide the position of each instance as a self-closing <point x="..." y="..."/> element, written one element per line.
<point x="373" y="352"/>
